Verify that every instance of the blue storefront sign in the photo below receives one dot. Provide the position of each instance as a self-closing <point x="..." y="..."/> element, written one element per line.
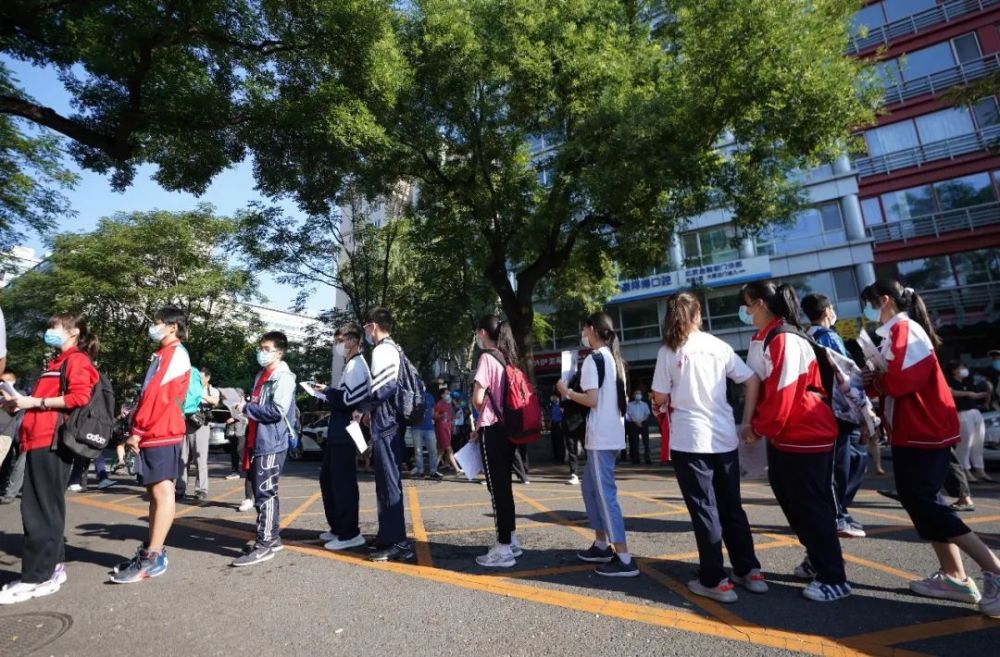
<point x="714" y="275"/>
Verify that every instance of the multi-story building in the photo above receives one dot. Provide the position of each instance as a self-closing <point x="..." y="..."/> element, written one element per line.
<point x="296" y="327"/>
<point x="923" y="205"/>
<point x="17" y="261"/>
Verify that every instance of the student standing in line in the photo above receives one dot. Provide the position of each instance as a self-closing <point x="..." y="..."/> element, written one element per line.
<point x="922" y="422"/>
<point x="443" y="421"/>
<point x="388" y="445"/>
<point x="969" y="396"/>
<point x="794" y="415"/>
<point x="556" y="429"/>
<point x="636" y="416"/>
<point x="575" y="426"/>
<point x="195" y="445"/>
<point x="603" y="382"/>
<point x="424" y="436"/>
<point x="271" y="416"/>
<point x="43" y="503"/>
<point x="850" y="457"/>
<point x="158" y="427"/>
<point x="498" y="348"/>
<point x="690" y="377"/>
<point x="338" y="476"/>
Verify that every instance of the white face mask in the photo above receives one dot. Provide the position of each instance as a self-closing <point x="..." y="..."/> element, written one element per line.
<point x="585" y="341"/>
<point x="963" y="373"/>
<point x="341" y="350"/>
<point x="265" y="358"/>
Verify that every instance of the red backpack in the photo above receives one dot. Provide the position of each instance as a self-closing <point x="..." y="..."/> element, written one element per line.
<point x="522" y="412"/>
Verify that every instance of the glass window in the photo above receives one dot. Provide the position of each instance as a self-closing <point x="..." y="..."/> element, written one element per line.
<point x="967" y="48"/>
<point x="888" y="72"/>
<point x="926" y="273"/>
<point x="709" y="246"/>
<point x="845" y="284"/>
<point x="830" y="215"/>
<point x="640" y="321"/>
<point x="811" y="228"/>
<point x="924" y="62"/>
<point x="965" y="191"/>
<point x="871" y="17"/>
<point x="891" y="138"/>
<point x="722" y="306"/>
<point x="897" y="9"/>
<point x="980" y="266"/>
<point x="986" y="112"/>
<point x="907" y="203"/>
<point x="871" y="210"/>
<point x="944" y="124"/>
<point x="821" y="282"/>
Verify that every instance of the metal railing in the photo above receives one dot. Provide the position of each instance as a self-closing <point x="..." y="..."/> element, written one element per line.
<point x="942" y="80"/>
<point x="936" y="224"/>
<point x="964" y="305"/>
<point x="945" y="149"/>
<point x="918" y="22"/>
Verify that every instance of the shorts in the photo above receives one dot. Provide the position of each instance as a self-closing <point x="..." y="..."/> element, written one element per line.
<point x="156" y="464"/>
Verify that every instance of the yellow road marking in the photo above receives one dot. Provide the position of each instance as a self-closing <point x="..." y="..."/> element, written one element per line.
<point x="217" y="498"/>
<point x="889" y="570"/>
<point x="557" y="518"/>
<point x="299" y="510"/>
<point x="923" y="631"/>
<point x="424" y="557"/>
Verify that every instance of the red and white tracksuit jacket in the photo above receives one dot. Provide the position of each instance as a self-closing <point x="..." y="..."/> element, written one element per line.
<point x="917" y="406"/>
<point x="792" y="412"/>
<point x="159" y="417"/>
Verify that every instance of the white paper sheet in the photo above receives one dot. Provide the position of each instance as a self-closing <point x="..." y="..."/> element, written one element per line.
<point x="872" y="355"/>
<point x="470" y="460"/>
<point x="307" y="386"/>
<point x="354" y="431"/>
<point x="568" y="365"/>
<point x="9" y="389"/>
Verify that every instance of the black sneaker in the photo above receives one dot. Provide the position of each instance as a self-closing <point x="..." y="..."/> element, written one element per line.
<point x="891" y="494"/>
<point x="436" y="476"/>
<point x="595" y="554"/>
<point x="255" y="556"/>
<point x="397" y="552"/>
<point x="201" y="496"/>
<point x="617" y="568"/>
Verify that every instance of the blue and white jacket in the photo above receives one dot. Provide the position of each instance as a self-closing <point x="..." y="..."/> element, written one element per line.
<point x="347" y="396"/>
<point x="274" y="412"/>
<point x="381" y="399"/>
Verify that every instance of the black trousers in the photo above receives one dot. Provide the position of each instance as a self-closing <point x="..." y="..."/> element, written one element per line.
<point x="265" y="471"/>
<point x="634" y="433"/>
<point x="801" y="484"/>
<point x="43" y="513"/>
<point x="388" y="451"/>
<point x="919" y="475"/>
<point x="558" y="442"/>
<point x="338" y="481"/>
<point x="710" y="484"/>
<point x="498" y="462"/>
<point x="573" y="441"/>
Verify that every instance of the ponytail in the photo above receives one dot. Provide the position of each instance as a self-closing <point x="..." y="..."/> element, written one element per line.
<point x="906" y="300"/>
<point x="605" y="330"/>
<point x="682" y="310"/>
<point x="781" y="300"/>
<point x="87" y="342"/>
<point x="501" y="335"/>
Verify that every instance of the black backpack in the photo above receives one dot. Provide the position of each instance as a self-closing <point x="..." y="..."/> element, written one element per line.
<point x="410" y="400"/>
<point x="87" y="430"/>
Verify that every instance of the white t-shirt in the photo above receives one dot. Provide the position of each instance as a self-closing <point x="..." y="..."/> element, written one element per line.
<point x="3" y="336"/>
<point x="694" y="376"/>
<point x="605" y="424"/>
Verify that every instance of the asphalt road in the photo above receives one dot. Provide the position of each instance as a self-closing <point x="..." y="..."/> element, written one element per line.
<point x="308" y="601"/>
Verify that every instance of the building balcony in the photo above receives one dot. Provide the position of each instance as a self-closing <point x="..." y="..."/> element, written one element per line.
<point x="937" y="224"/>
<point x="966" y="305"/>
<point x="942" y="80"/>
<point x="945" y="149"/>
<point x="916" y="23"/>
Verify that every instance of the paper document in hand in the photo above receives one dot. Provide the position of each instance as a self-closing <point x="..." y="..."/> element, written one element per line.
<point x="9" y="389"/>
<point x="312" y="391"/>
<point x="470" y="460"/>
<point x="354" y="431"/>
<point x="568" y="368"/>
<point x="231" y="397"/>
<point x="872" y="354"/>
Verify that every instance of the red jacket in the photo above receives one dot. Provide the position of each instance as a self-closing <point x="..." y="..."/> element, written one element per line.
<point x="917" y="406"/>
<point x="790" y="413"/>
<point x="159" y="417"/>
<point x="39" y="426"/>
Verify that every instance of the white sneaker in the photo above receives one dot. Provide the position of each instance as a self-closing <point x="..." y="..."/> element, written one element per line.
<point x="336" y="544"/>
<point x="573" y="480"/>
<point x="75" y="488"/>
<point x="499" y="556"/>
<point x="818" y="592"/>
<point x="246" y="505"/>
<point x="20" y="592"/>
<point x="721" y="592"/>
<point x="59" y="574"/>
<point x="753" y="581"/>
<point x="515" y="546"/>
<point x="989" y="604"/>
<point x="326" y="537"/>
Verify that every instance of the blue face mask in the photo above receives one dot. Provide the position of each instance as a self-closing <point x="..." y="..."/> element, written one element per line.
<point x="265" y="358"/>
<point x="996" y="365"/>
<point x="745" y="316"/>
<point x="871" y="313"/>
<point x="155" y="334"/>
<point x="55" y="338"/>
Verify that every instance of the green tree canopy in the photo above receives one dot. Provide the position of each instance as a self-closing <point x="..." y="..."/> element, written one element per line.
<point x="539" y="130"/>
<point x="120" y="274"/>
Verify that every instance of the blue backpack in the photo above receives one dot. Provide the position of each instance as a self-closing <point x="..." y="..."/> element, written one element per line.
<point x="196" y="388"/>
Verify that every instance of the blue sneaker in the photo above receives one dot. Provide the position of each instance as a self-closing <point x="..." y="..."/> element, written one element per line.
<point x="143" y="566"/>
